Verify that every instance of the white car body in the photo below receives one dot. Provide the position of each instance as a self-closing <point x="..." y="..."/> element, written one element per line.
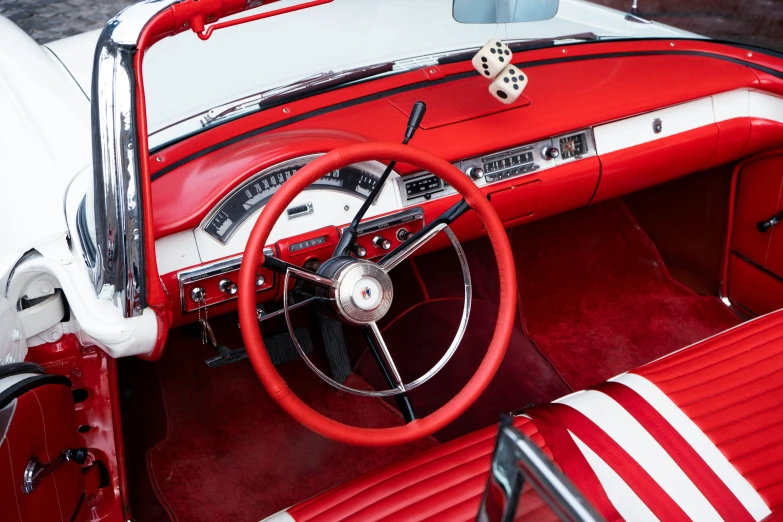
<point x="46" y="143"/>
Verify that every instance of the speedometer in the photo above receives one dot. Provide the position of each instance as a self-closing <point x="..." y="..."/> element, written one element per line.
<point x="257" y="190"/>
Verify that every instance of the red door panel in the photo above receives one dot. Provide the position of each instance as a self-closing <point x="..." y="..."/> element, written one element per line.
<point x="42" y="427"/>
<point x="755" y="264"/>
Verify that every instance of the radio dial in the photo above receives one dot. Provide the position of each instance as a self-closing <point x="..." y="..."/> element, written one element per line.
<point x="381" y="242"/>
<point x="550" y="153"/>
<point x="475" y="172"/>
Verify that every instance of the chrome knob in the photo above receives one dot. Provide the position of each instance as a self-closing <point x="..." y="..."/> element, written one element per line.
<point x="260" y="280"/>
<point x="359" y="250"/>
<point x="198" y="294"/>
<point x="403" y="234"/>
<point x="381" y="242"/>
<point x="550" y="153"/>
<point x="227" y="286"/>
<point x="475" y="172"/>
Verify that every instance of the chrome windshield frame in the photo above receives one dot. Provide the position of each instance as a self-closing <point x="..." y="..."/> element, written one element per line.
<point x="118" y="274"/>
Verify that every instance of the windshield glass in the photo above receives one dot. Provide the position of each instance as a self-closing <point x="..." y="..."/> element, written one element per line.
<point x="752" y="22"/>
<point x="192" y="85"/>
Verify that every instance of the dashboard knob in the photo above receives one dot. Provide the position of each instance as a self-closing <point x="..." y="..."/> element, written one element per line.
<point x="227" y="286"/>
<point x="475" y="172"/>
<point x="550" y="153"/>
<point x="198" y="294"/>
<point x="359" y="250"/>
<point x="403" y="234"/>
<point x="260" y="280"/>
<point x="381" y="242"/>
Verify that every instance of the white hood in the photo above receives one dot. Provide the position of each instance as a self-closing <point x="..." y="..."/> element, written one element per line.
<point x="44" y="143"/>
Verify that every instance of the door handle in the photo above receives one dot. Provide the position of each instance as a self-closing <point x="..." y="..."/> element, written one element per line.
<point x="35" y="471"/>
<point x="765" y="225"/>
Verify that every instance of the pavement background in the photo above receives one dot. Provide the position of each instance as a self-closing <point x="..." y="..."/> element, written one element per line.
<point x="757" y="22"/>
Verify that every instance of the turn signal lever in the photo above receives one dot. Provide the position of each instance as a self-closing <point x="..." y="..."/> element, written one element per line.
<point x="347" y="240"/>
<point x="765" y="225"/>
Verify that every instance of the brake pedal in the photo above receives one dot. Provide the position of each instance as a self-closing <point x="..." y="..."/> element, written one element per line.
<point x="334" y="342"/>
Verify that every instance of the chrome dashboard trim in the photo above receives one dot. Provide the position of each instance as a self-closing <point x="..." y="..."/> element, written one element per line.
<point x="539" y="163"/>
<point x="224" y="266"/>
<point x="119" y="273"/>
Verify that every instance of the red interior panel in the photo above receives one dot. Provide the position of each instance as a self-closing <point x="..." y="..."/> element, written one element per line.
<point x="630" y="85"/>
<point x="755" y="264"/>
<point x="639" y="167"/>
<point x="517" y="202"/>
<point x="753" y="289"/>
<point x="43" y="426"/>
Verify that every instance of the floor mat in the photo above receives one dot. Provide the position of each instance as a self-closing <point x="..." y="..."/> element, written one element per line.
<point x="597" y="298"/>
<point x="418" y="338"/>
<point x="232" y="454"/>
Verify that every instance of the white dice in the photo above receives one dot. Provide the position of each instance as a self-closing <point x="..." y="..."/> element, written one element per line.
<point x="492" y="58"/>
<point x="509" y="84"/>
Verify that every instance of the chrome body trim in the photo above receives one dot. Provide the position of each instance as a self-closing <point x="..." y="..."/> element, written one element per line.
<point x="119" y="271"/>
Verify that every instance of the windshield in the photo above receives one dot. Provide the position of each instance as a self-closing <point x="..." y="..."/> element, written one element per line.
<point x="192" y="85"/>
<point x="752" y="22"/>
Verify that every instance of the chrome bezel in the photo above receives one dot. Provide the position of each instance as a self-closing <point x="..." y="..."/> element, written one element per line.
<point x="372" y="167"/>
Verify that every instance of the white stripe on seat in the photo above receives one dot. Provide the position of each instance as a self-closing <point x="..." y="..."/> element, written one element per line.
<point x="620" y="494"/>
<point x="738" y="485"/>
<point x="281" y="516"/>
<point x="619" y="425"/>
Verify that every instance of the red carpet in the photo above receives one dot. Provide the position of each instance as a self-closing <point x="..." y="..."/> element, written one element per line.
<point x="232" y="454"/>
<point x="598" y="300"/>
<point x="419" y="338"/>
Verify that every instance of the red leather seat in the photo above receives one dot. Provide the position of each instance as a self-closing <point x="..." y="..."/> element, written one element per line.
<point x="695" y="435"/>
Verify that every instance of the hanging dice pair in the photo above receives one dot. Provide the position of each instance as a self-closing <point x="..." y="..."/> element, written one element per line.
<point x="493" y="62"/>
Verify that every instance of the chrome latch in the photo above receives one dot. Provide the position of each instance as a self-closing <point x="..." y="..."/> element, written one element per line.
<point x="35" y="471"/>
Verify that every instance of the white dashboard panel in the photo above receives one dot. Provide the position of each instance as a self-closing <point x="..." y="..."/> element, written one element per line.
<point x="730" y="105"/>
<point x="177" y="251"/>
<point x="767" y="106"/>
<point x="638" y="130"/>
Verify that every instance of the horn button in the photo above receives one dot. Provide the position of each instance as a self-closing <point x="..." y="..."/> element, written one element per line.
<point x="364" y="292"/>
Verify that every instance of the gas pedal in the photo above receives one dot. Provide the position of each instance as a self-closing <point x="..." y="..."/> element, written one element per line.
<point x="280" y="348"/>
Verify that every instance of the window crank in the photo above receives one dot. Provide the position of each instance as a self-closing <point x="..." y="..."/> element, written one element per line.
<point x="763" y="226"/>
<point x="35" y="471"/>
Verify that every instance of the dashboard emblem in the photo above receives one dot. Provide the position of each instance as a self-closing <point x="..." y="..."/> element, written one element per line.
<point x="366" y="293"/>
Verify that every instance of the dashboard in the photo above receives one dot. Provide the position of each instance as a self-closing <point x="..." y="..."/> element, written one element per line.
<point x="601" y="148"/>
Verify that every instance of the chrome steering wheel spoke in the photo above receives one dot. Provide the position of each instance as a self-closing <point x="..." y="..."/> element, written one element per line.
<point x="368" y="324"/>
<point x="420" y="238"/>
<point x="383" y="351"/>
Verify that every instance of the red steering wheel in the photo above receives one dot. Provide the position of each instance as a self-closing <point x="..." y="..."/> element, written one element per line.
<point x="254" y="257"/>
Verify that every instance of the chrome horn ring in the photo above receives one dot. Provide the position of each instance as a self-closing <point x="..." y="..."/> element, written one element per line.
<point x="403" y="388"/>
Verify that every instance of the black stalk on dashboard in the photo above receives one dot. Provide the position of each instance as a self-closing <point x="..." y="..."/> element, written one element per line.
<point x="347" y="240"/>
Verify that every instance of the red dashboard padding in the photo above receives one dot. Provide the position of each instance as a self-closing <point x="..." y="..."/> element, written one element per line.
<point x="276" y="386"/>
<point x="730" y="386"/>
<point x="43" y="426"/>
<point x="454" y="102"/>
